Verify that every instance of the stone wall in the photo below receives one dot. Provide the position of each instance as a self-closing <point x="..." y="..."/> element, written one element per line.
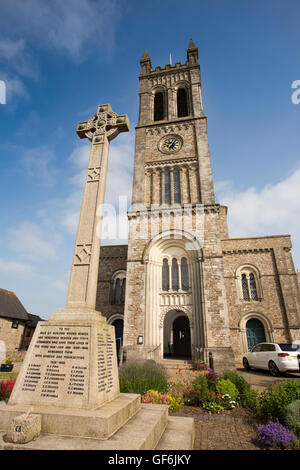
<point x="279" y="305"/>
<point x="112" y="259"/>
<point x="12" y="337"/>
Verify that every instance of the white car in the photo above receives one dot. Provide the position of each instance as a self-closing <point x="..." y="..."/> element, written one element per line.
<point x="275" y="357"/>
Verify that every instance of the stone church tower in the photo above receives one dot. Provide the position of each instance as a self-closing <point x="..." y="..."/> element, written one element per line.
<point x="182" y="288"/>
<point x="175" y="293"/>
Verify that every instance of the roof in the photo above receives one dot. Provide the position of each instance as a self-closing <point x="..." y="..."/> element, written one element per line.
<point x="11" y="307"/>
<point x="33" y="320"/>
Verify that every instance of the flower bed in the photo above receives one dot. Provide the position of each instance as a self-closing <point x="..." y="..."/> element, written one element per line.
<point x="6" y="388"/>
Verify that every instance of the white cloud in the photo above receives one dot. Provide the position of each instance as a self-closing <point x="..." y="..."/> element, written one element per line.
<point x="33" y="242"/>
<point x="61" y="286"/>
<point x="120" y="170"/>
<point x="273" y="210"/>
<point x="71" y="26"/>
<point x="15" y="267"/>
<point x="118" y="183"/>
<point x="16" y="54"/>
<point x="14" y="86"/>
<point x="39" y="162"/>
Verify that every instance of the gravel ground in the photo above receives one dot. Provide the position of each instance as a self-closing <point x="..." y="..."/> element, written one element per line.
<point x="230" y="430"/>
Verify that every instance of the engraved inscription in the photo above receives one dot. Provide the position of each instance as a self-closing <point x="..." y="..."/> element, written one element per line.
<point x="105" y="360"/>
<point x="58" y="368"/>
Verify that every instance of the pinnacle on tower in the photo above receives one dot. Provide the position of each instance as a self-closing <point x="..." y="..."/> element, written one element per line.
<point x="145" y="62"/>
<point x="192" y="52"/>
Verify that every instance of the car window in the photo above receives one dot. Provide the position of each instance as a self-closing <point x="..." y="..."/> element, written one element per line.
<point x="268" y="347"/>
<point x="256" y="348"/>
<point x="289" y="347"/>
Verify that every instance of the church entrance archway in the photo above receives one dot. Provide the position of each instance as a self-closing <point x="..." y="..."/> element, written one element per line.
<point x="255" y="332"/>
<point x="119" y="327"/>
<point x="177" y="335"/>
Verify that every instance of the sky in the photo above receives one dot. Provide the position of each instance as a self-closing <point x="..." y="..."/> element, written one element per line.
<point x="60" y="60"/>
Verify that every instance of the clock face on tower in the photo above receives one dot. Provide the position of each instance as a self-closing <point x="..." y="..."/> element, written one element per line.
<point x="170" y="144"/>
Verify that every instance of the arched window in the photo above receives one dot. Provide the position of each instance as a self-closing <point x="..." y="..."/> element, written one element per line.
<point x="249" y="280"/>
<point x="175" y="275"/>
<point x="184" y="275"/>
<point x="158" y="106"/>
<point x="117" y="289"/>
<point x="177" y="193"/>
<point x="123" y="290"/>
<point x="182" y="104"/>
<point x="245" y="288"/>
<point x="253" y="289"/>
<point x="165" y="275"/>
<point x="172" y="278"/>
<point x="167" y="186"/>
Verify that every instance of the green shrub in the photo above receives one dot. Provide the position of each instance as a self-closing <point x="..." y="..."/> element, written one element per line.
<point x="274" y="400"/>
<point x="248" y="397"/>
<point x="199" y="391"/>
<point x="138" y="377"/>
<point x="291" y="416"/>
<point x="226" y="387"/>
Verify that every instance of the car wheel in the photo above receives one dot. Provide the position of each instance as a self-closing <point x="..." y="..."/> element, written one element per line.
<point x="273" y="369"/>
<point x="246" y="364"/>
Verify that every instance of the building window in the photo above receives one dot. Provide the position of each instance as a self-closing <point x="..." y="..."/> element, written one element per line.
<point x="175" y="275"/>
<point x="178" y="271"/>
<point x="182" y="104"/>
<point x="253" y="289"/>
<point x="184" y="275"/>
<point x="250" y="287"/>
<point x="15" y="324"/>
<point x="167" y="186"/>
<point x="158" y="106"/>
<point x="177" y="193"/>
<point x="245" y="288"/>
<point x="117" y="289"/>
<point x="165" y="275"/>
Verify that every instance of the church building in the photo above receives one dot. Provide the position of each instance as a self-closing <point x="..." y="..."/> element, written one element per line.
<point x="182" y="288"/>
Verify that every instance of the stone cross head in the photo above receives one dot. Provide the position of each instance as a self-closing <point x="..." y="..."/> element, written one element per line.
<point x="104" y="122"/>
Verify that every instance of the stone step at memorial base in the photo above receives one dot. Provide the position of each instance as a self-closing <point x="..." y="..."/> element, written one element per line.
<point x="148" y="429"/>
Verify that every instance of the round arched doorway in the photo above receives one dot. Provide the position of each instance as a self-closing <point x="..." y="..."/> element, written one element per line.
<point x="119" y="326"/>
<point x="255" y="332"/>
<point x="177" y="335"/>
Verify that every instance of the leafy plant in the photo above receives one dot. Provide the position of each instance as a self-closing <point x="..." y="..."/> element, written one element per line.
<point x="213" y="407"/>
<point x="273" y="401"/>
<point x="248" y="397"/>
<point x="225" y="386"/>
<point x="277" y="436"/>
<point x="291" y="416"/>
<point x="199" y="391"/>
<point x="7" y="361"/>
<point x="138" y="377"/>
<point x="153" y="396"/>
<point x="180" y="389"/>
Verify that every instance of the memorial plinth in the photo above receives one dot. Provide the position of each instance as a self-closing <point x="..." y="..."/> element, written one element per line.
<point x="71" y="362"/>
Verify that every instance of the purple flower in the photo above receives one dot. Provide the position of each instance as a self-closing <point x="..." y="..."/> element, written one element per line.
<point x="276" y="435"/>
